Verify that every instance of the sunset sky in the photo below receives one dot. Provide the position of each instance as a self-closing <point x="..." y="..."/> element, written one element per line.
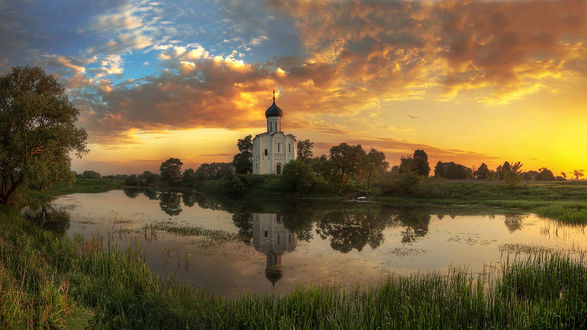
<point x="467" y="81"/>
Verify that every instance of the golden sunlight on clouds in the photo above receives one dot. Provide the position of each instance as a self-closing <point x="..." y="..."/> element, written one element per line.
<point x="469" y="81"/>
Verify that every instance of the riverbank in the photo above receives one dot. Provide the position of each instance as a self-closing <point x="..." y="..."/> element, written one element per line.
<point x="52" y="281"/>
<point x="563" y="201"/>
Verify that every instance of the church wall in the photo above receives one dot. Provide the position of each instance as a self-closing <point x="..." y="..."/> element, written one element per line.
<point x="281" y="149"/>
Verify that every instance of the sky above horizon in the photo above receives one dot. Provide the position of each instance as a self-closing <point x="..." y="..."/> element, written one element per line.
<point x="466" y="81"/>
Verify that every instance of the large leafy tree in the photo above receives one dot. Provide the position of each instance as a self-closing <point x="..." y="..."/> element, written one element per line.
<point x="421" y="159"/>
<point x="374" y="166"/>
<point x="305" y="149"/>
<point x="243" y="161"/>
<point x="345" y="162"/>
<point x="171" y="170"/>
<point x="37" y="131"/>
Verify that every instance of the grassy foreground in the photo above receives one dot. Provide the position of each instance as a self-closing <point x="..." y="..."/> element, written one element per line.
<point x="49" y="281"/>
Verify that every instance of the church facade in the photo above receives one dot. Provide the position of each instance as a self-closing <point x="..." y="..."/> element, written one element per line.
<point x="273" y="148"/>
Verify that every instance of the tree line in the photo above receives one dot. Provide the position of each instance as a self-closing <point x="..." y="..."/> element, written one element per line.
<point x="346" y="169"/>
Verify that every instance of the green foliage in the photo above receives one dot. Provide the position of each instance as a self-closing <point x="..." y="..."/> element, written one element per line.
<point x="133" y="180"/>
<point x="233" y="185"/>
<point x="511" y="174"/>
<point x="189" y="178"/>
<point x="298" y="176"/>
<point x="150" y="178"/>
<point x="374" y="166"/>
<point x="345" y="162"/>
<point x="409" y="181"/>
<point x="171" y="170"/>
<point x="243" y="161"/>
<point x="404" y="180"/>
<point x="89" y="174"/>
<point x="305" y="150"/>
<point x="421" y="159"/>
<point x="37" y="131"/>
<point x="452" y="170"/>
<point x="214" y="171"/>
<point x="482" y="172"/>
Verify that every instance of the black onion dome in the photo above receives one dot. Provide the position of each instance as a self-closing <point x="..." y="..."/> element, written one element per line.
<point x="273" y="111"/>
<point x="273" y="275"/>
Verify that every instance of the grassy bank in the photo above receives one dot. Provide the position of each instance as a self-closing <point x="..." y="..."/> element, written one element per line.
<point x="563" y="201"/>
<point x="50" y="281"/>
<point x="83" y="185"/>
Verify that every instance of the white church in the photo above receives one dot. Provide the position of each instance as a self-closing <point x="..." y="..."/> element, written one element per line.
<point x="273" y="149"/>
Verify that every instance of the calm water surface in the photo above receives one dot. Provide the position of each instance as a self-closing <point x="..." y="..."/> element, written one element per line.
<point x="229" y="247"/>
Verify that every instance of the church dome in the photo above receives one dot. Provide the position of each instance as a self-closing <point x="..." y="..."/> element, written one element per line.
<point x="273" y="110"/>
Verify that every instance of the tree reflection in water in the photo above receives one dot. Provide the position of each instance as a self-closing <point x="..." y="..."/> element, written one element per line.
<point x="131" y="192"/>
<point x="514" y="222"/>
<point x="352" y="230"/>
<point x="47" y="217"/>
<point x="415" y="222"/>
<point x="189" y="199"/>
<point x="357" y="227"/>
<point x="169" y="201"/>
<point x="244" y="221"/>
<point x="151" y="194"/>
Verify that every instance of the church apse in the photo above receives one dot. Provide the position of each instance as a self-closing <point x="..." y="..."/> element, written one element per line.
<point x="271" y="238"/>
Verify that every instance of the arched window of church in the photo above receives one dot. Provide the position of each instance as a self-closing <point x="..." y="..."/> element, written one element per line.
<point x="277" y="146"/>
<point x="265" y="152"/>
<point x="289" y="147"/>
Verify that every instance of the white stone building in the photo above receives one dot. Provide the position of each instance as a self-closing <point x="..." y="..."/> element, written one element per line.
<point x="273" y="149"/>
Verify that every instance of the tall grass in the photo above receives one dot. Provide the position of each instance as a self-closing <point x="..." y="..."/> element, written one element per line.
<point x="47" y="281"/>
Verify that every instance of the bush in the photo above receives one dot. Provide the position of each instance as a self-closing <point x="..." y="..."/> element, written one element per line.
<point x="298" y="176"/>
<point x="132" y="180"/>
<point x="233" y="185"/>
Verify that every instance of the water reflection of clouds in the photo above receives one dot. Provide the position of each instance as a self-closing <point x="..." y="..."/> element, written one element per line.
<point x="331" y="243"/>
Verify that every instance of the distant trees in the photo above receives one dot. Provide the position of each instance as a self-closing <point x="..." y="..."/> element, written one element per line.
<point x="421" y="159"/>
<point x="452" y="170"/>
<point x="482" y="172"/>
<point x="37" y="131"/>
<point x="171" y="170"/>
<point x="91" y="174"/>
<point x="305" y="150"/>
<point x="544" y="174"/>
<point x="150" y="178"/>
<point x="578" y="174"/>
<point x="189" y="178"/>
<point x="133" y="180"/>
<point x="243" y="161"/>
<point x="409" y="179"/>
<point x="511" y="173"/>
<point x="214" y="171"/>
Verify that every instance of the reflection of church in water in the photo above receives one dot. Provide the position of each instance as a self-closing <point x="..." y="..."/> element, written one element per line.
<point x="271" y="238"/>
